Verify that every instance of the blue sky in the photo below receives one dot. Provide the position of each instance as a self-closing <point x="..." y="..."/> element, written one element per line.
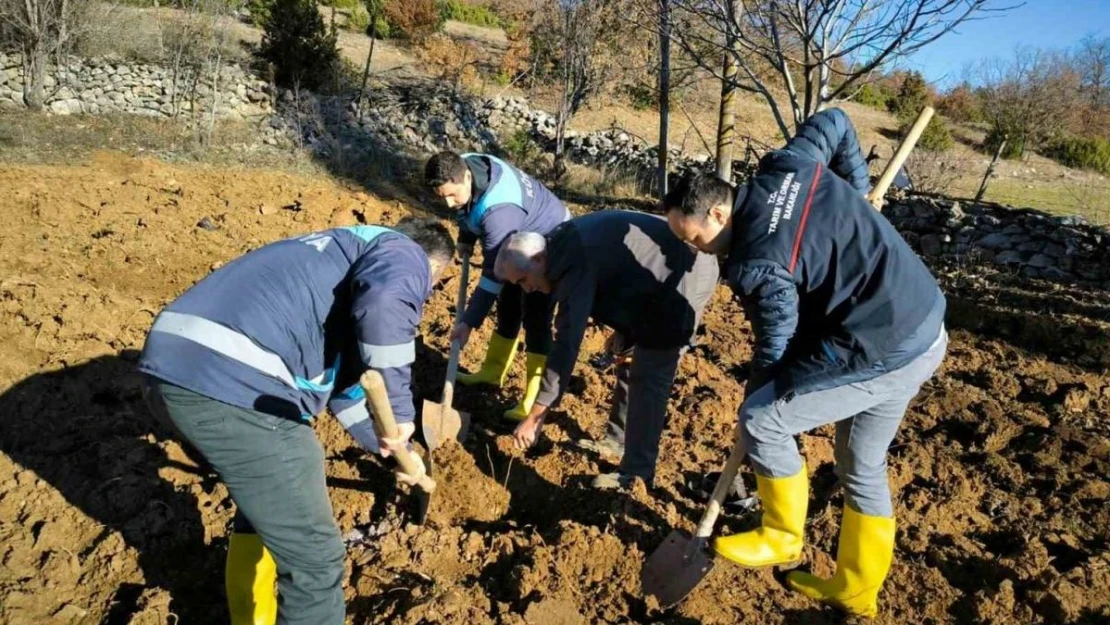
<point x="1039" y="23"/>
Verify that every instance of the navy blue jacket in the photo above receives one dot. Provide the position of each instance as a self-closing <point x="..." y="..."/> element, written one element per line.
<point x="833" y="292"/>
<point x="505" y="200"/>
<point x="288" y="328"/>
<point x="628" y="271"/>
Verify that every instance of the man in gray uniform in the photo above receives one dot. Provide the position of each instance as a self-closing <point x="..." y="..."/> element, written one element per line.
<point x="628" y="272"/>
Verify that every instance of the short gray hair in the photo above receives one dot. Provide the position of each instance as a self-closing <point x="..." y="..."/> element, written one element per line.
<point x="518" y="251"/>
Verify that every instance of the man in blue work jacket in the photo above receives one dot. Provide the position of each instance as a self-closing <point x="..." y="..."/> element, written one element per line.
<point x="495" y="199"/>
<point x="848" y="324"/>
<point x="242" y="360"/>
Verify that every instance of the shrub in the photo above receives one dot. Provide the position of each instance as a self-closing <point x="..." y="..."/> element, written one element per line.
<point x="961" y="105"/>
<point x="522" y="150"/>
<point x="359" y="20"/>
<point x="875" y="96"/>
<point x="414" y="19"/>
<point x="912" y="96"/>
<point x="1083" y="153"/>
<point x="259" y="10"/>
<point x="342" y="4"/>
<point x="935" y="138"/>
<point x="450" y="60"/>
<point x="641" y="96"/>
<point x="300" y="47"/>
<point x="1015" y="141"/>
<point x="462" y="11"/>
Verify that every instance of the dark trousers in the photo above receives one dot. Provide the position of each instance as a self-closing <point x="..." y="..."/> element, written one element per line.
<point x="514" y="306"/>
<point x="639" y="411"/>
<point x="274" y="469"/>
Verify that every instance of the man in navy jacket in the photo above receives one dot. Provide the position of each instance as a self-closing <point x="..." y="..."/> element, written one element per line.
<point x="494" y="200"/>
<point x="242" y="360"/>
<point x="848" y="324"/>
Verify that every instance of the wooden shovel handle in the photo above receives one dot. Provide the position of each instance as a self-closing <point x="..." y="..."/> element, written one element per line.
<point x="713" y="510"/>
<point x="380" y="407"/>
<point x="904" y="149"/>
<point x="453" y="359"/>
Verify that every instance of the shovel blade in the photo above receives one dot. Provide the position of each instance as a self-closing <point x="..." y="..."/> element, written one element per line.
<point x="673" y="570"/>
<point x="442" y="423"/>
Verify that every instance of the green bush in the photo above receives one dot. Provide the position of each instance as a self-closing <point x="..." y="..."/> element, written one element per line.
<point x="1082" y="153"/>
<point x="522" y="150"/>
<point x="300" y="47"/>
<point x="342" y="4"/>
<point x="381" y="29"/>
<point x="260" y="11"/>
<point x="1015" y="141"/>
<point x="462" y="11"/>
<point x="912" y="96"/>
<point x="935" y="138"/>
<point x="641" y="97"/>
<point x="359" y="20"/>
<point x="875" y="96"/>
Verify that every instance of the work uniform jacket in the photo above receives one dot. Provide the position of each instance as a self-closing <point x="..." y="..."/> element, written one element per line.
<point x="290" y="327"/>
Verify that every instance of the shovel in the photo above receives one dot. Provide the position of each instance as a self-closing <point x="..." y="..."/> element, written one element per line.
<point x="441" y="422"/>
<point x="904" y="149"/>
<point x="374" y="386"/>
<point x="678" y="565"/>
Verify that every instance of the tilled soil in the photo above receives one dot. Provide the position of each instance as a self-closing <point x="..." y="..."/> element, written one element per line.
<point x="1000" y="469"/>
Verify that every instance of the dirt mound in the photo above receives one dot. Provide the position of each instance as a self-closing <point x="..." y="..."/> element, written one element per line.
<point x="1000" y="469"/>
<point x="464" y="493"/>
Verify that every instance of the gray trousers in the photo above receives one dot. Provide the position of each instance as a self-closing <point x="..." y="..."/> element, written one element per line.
<point x="274" y="470"/>
<point x="867" y="415"/>
<point x="639" y="411"/>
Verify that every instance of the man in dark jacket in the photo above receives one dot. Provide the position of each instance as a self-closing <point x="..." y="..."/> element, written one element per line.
<point x="848" y="322"/>
<point x="241" y="361"/>
<point x="495" y="199"/>
<point x="628" y="272"/>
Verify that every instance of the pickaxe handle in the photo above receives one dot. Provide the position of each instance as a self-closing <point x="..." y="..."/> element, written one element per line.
<point x="380" y="407"/>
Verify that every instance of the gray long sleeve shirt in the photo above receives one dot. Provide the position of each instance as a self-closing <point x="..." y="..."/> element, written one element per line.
<point x="629" y="272"/>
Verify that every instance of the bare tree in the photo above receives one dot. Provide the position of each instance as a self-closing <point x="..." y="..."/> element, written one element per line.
<point x="1028" y="99"/>
<point x="43" y="31"/>
<point x="813" y="51"/>
<point x="579" y="38"/>
<point x="1092" y="60"/>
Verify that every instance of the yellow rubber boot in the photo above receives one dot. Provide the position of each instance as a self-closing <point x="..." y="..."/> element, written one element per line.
<point x="499" y="357"/>
<point x="780" y="537"/>
<point x="863" y="560"/>
<point x="250" y="578"/>
<point x="533" y="371"/>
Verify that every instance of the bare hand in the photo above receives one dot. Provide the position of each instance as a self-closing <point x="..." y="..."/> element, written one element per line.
<point x="389" y="446"/>
<point x="526" y="434"/>
<point x="461" y="333"/>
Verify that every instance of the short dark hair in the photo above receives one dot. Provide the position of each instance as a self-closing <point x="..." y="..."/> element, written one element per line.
<point x="431" y="235"/>
<point x="696" y="194"/>
<point x="444" y="167"/>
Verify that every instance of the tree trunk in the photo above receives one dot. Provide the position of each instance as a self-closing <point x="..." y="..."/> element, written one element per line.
<point x="34" y="76"/>
<point x="726" y="119"/>
<point x="366" y="71"/>
<point x="664" y="91"/>
<point x="990" y="170"/>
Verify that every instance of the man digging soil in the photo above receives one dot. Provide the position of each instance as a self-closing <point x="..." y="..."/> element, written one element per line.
<point x="495" y="199"/>
<point x="848" y="325"/>
<point x="242" y="360"/>
<point x="628" y="272"/>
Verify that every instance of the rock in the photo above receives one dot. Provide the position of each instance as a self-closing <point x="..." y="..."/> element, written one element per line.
<point x="1009" y="257"/>
<point x="65" y="107"/>
<point x="1077" y="400"/>
<point x="1031" y="246"/>
<point x="933" y="244"/>
<point x="1041" y="261"/>
<point x="955" y="212"/>
<point x="207" y="224"/>
<point x="1056" y="274"/>
<point x="994" y="241"/>
<point x="921" y="209"/>
<point x="70" y="613"/>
